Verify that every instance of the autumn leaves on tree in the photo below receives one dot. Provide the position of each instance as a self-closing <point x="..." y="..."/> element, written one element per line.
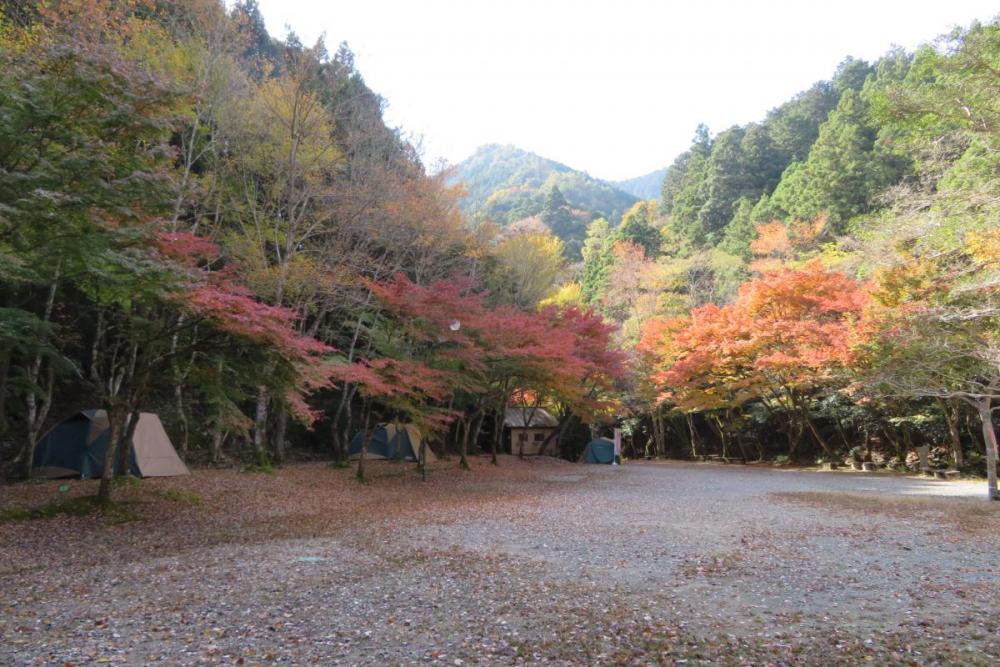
<point x="198" y="219"/>
<point x="220" y="226"/>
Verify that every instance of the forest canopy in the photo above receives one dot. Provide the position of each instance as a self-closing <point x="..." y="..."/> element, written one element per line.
<point x="200" y="220"/>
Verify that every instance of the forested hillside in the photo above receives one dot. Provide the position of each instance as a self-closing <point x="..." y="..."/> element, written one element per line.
<point x="505" y="185"/>
<point x="643" y="187"/>
<point x="201" y="221"/>
<point x="824" y="281"/>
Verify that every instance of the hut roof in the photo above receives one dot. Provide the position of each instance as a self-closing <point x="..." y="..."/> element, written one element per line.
<point x="519" y="417"/>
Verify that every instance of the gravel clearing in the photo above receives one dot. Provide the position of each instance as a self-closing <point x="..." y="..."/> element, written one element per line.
<point x="532" y="562"/>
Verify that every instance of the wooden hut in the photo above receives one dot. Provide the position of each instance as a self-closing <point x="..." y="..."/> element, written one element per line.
<point x="528" y="429"/>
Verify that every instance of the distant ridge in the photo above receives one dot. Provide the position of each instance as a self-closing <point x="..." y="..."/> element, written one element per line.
<point x="506" y="184"/>
<point x="644" y="187"/>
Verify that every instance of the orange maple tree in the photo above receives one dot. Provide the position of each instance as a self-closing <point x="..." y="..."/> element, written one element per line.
<point x="785" y="340"/>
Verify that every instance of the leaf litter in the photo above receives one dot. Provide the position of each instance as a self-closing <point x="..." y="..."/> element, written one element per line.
<point x="530" y="562"/>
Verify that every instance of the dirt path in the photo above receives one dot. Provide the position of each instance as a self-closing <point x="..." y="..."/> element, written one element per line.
<point x="544" y="562"/>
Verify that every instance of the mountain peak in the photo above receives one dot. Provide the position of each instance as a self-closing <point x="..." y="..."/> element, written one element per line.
<point x="506" y="184"/>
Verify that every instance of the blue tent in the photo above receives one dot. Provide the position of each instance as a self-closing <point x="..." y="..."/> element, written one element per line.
<point x="599" y="450"/>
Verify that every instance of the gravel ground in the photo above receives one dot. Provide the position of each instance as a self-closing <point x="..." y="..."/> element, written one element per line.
<point x="542" y="562"/>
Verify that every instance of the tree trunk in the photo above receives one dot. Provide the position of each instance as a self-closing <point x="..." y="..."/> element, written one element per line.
<point x="497" y="435"/>
<point x="215" y="454"/>
<point x="31" y="419"/>
<point x="659" y="434"/>
<point x="115" y="417"/>
<point x="558" y="431"/>
<point x="4" y="371"/>
<point x="816" y="434"/>
<point x="680" y="431"/>
<point x="182" y="443"/>
<point x="494" y="444"/>
<point x="983" y="407"/>
<point x="907" y="443"/>
<point x="366" y="437"/>
<point x="891" y="437"/>
<point x="345" y="433"/>
<point x="182" y="420"/>
<point x="970" y="427"/>
<point x="463" y="444"/>
<point x="37" y="413"/>
<point x="260" y="457"/>
<point x="340" y="442"/>
<point x="693" y="434"/>
<point x="125" y="446"/>
<point x="742" y="447"/>
<point x="470" y="433"/>
<point x="477" y="428"/>
<point x="758" y="445"/>
<point x="654" y="427"/>
<point x="456" y="435"/>
<point x="714" y="421"/>
<point x="795" y="431"/>
<point x="278" y="437"/>
<point x="422" y="459"/>
<point x="841" y="433"/>
<point x="951" y="410"/>
<point x="339" y="450"/>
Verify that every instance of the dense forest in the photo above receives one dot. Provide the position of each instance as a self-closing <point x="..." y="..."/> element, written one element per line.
<point x="199" y="220"/>
<point x="822" y="284"/>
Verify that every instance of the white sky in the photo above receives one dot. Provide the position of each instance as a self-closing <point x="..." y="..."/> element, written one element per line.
<point x="612" y="87"/>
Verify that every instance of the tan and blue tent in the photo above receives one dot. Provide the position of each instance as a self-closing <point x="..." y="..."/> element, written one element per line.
<point x="76" y="447"/>
<point x="391" y="441"/>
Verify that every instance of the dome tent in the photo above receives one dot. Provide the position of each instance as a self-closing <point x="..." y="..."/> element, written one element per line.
<point x="391" y="441"/>
<point x="599" y="450"/>
<point x="76" y="446"/>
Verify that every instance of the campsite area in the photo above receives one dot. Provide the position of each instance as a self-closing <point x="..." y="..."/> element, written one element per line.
<point x="534" y="560"/>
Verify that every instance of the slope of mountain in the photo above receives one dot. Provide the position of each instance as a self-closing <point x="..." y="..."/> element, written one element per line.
<point x="506" y="184"/>
<point x="643" y="187"/>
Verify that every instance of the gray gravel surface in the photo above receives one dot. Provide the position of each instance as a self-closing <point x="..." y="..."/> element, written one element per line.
<point x="642" y="564"/>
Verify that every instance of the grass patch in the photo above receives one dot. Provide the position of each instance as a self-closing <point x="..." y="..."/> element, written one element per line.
<point x="181" y="496"/>
<point x="125" y="481"/>
<point x="340" y="465"/>
<point x="113" y="513"/>
<point x="71" y="507"/>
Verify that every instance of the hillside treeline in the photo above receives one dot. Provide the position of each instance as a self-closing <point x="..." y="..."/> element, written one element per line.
<point x="822" y="284"/>
<point x="199" y="220"/>
<point x="202" y="221"/>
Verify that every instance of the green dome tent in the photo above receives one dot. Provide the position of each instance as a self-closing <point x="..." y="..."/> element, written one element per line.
<point x="599" y="450"/>
<point x="391" y="441"/>
<point x="76" y="447"/>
